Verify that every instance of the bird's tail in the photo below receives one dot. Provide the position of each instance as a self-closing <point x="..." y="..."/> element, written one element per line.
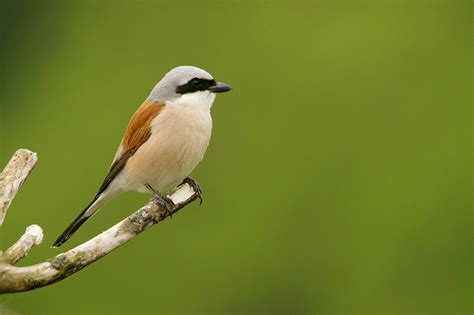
<point x="85" y="215"/>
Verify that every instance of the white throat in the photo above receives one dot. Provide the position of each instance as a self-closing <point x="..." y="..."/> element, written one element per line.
<point x="202" y="100"/>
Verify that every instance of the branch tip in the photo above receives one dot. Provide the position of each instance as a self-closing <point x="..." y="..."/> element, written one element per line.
<point x="36" y="232"/>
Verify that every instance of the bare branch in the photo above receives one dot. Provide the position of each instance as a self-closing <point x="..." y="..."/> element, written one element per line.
<point x="18" y="279"/>
<point x="13" y="177"/>
<point x="33" y="236"/>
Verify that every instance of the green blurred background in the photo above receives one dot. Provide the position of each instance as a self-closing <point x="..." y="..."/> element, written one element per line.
<point x="339" y="175"/>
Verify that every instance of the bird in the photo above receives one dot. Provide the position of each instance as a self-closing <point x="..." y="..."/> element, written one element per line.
<point x="164" y="141"/>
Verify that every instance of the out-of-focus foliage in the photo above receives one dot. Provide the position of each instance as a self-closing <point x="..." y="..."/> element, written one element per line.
<point x="339" y="175"/>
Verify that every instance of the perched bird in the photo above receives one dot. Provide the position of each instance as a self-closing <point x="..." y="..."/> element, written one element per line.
<point x="164" y="141"/>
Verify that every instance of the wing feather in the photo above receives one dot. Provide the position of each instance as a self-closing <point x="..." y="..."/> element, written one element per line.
<point x="136" y="134"/>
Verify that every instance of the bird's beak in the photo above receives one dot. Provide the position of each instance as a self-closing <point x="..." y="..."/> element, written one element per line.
<point x="220" y="88"/>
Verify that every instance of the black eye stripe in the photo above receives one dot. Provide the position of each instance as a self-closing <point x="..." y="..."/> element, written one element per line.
<point x="194" y="85"/>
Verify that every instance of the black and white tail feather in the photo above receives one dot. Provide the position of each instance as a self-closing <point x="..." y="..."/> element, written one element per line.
<point x="98" y="200"/>
<point x="85" y="215"/>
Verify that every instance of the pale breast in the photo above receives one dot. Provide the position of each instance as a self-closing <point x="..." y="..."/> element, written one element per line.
<point x="179" y="139"/>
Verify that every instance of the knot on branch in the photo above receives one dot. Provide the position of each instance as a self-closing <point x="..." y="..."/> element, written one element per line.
<point x="69" y="261"/>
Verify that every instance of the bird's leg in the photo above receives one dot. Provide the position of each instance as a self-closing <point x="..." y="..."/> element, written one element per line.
<point x="194" y="184"/>
<point x="162" y="201"/>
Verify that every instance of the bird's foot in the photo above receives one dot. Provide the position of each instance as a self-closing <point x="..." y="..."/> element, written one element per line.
<point x="194" y="184"/>
<point x="162" y="201"/>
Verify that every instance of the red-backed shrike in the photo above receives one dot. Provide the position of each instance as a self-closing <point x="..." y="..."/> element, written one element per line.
<point x="164" y="141"/>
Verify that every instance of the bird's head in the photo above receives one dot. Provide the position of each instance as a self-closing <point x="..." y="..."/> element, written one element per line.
<point x="188" y="85"/>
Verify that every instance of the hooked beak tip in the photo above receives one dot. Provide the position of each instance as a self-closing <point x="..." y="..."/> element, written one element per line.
<point x="220" y="88"/>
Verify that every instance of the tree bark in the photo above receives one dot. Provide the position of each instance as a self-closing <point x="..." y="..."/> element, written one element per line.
<point x="13" y="176"/>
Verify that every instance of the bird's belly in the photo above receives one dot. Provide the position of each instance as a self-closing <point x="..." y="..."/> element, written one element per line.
<point x="171" y="153"/>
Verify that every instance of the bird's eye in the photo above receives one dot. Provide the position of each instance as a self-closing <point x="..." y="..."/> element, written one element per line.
<point x="196" y="83"/>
